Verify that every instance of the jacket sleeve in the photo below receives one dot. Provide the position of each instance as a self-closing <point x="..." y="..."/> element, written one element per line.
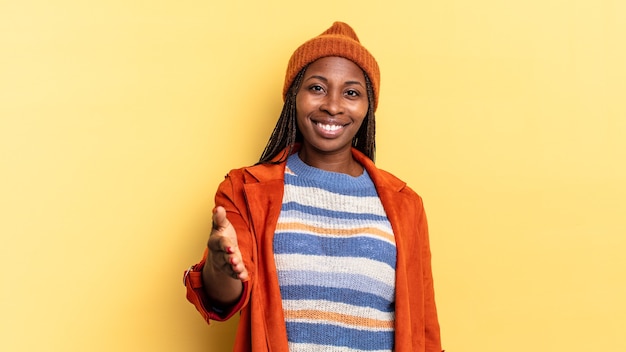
<point x="230" y="196"/>
<point x="196" y="294"/>
<point x="432" y="333"/>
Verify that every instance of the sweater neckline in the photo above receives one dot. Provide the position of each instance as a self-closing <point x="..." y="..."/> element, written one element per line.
<point x="302" y="169"/>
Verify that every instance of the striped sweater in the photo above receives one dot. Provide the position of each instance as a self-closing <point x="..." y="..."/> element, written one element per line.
<point x="335" y="258"/>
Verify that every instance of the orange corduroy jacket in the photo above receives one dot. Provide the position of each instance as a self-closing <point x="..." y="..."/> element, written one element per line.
<point x="252" y="197"/>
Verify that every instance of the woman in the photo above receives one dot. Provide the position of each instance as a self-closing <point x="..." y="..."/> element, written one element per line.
<point x="317" y="248"/>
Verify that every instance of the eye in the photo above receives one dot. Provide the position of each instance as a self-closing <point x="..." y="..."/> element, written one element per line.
<point x="316" y="88"/>
<point x="352" y="93"/>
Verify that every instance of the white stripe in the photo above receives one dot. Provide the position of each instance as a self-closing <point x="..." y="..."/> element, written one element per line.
<point x="308" y="347"/>
<point x="319" y="198"/>
<point x="348" y="265"/>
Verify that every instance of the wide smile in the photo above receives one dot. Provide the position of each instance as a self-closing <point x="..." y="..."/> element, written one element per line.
<point x="329" y="130"/>
<point x="328" y="127"/>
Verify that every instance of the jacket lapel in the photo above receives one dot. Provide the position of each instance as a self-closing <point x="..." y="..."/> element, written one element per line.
<point x="263" y="189"/>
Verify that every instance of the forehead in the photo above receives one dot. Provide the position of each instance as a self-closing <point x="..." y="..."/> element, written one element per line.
<point x="335" y="66"/>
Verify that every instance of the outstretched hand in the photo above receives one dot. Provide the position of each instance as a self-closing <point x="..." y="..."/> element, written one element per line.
<point x="225" y="256"/>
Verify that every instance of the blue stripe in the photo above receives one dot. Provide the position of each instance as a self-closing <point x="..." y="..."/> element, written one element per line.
<point x="340" y="295"/>
<point x="343" y="215"/>
<point x="361" y="188"/>
<point x="307" y="218"/>
<point x="356" y="246"/>
<point x="320" y="334"/>
<point x="359" y="283"/>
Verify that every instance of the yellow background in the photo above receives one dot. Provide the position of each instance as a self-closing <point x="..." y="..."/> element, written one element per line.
<point x="119" y="118"/>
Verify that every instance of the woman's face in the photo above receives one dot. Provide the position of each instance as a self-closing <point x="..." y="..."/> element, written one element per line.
<point x="331" y="105"/>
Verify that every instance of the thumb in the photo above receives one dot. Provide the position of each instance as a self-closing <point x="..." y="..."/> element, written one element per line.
<point x="220" y="221"/>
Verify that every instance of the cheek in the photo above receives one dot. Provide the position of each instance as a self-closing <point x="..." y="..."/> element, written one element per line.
<point x="299" y="107"/>
<point x="304" y="108"/>
<point x="361" y="111"/>
<point x="300" y="120"/>
<point x="299" y="116"/>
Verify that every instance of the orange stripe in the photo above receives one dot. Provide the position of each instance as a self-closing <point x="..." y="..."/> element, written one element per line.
<point x="339" y="318"/>
<point x="338" y="232"/>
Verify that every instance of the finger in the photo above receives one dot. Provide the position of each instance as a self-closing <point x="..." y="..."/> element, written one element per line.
<point x="243" y="276"/>
<point x="238" y="268"/>
<point x="243" y="273"/>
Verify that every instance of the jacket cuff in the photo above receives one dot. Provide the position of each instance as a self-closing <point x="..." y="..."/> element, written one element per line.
<point x="192" y="279"/>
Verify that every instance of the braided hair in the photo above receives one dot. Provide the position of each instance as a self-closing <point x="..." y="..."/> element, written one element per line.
<point x="286" y="133"/>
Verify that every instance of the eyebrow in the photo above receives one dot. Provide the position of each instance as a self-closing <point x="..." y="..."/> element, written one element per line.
<point x="322" y="78"/>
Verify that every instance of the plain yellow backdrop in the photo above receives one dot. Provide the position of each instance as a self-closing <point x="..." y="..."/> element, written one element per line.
<point x="119" y="118"/>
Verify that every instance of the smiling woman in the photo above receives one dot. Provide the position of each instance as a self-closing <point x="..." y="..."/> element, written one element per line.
<point x="315" y="246"/>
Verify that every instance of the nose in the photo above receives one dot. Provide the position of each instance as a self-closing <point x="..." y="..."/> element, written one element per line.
<point x="332" y="103"/>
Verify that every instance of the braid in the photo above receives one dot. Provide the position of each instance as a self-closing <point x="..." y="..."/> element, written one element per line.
<point x="286" y="132"/>
<point x="365" y="138"/>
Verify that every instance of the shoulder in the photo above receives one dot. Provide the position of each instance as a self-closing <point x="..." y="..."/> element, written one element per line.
<point x="395" y="182"/>
<point x="390" y="177"/>
<point x="235" y="184"/>
<point x="257" y="173"/>
<point x="382" y="178"/>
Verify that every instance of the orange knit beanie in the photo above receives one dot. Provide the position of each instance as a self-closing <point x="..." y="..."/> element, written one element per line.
<point x="338" y="40"/>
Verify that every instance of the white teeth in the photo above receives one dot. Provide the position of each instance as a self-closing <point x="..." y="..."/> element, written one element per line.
<point x="329" y="127"/>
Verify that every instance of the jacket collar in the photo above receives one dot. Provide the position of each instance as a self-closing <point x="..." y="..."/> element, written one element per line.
<point x="266" y="172"/>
